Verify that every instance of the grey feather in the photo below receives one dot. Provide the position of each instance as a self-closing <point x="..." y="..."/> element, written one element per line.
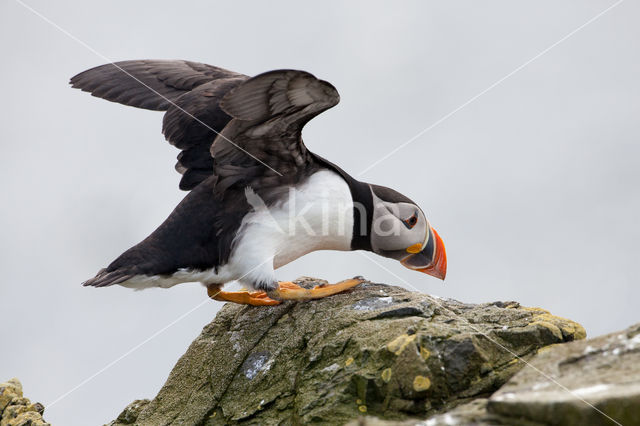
<point x="188" y="91"/>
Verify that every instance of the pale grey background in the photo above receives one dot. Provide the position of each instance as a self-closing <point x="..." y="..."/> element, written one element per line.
<point x="533" y="186"/>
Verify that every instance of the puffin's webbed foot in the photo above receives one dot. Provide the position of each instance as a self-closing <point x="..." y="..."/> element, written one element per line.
<point x="254" y="298"/>
<point x="286" y="291"/>
<point x="291" y="291"/>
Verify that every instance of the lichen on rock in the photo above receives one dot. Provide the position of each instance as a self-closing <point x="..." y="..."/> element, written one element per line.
<point x="15" y="409"/>
<point x="10" y="389"/>
<point x="377" y="350"/>
<point x="588" y="382"/>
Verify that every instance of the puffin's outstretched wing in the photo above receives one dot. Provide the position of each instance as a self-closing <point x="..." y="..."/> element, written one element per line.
<point x="269" y="112"/>
<point x="148" y="84"/>
<point x="190" y="93"/>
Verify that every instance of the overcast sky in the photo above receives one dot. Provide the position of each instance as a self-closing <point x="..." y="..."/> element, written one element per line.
<point x="533" y="186"/>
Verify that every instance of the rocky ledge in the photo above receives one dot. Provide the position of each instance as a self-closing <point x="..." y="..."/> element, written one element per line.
<point x="376" y="352"/>
<point x="15" y="409"/>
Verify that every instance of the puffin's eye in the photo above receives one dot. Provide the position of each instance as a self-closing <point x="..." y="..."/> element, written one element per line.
<point x="411" y="222"/>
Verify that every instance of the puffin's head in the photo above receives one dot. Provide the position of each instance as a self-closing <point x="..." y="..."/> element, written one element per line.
<point x="401" y="231"/>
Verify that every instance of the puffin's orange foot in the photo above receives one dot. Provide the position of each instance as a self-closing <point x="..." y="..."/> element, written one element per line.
<point x="254" y="298"/>
<point x="290" y="291"/>
<point x="288" y="285"/>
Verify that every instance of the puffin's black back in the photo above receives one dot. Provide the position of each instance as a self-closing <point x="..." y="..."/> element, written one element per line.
<point x="197" y="235"/>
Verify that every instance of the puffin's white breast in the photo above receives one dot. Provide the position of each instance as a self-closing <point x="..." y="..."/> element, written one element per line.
<point x="315" y="215"/>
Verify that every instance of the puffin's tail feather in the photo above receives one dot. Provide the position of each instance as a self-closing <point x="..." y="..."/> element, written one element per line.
<point x="106" y="278"/>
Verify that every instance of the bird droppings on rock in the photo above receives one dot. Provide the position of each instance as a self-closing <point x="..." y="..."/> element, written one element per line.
<point x="331" y="368"/>
<point x="372" y="303"/>
<point x="310" y="343"/>
<point x="255" y="363"/>
<point x="590" y="390"/>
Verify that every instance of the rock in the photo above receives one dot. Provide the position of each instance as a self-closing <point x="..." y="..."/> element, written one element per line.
<point x="8" y="390"/>
<point x="16" y="410"/>
<point x="376" y="350"/>
<point x="603" y="372"/>
<point x="471" y="413"/>
<point x="131" y="412"/>
<point x="598" y="383"/>
<point x="474" y="412"/>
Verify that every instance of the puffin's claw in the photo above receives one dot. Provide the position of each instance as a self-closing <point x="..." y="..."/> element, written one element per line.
<point x="254" y="298"/>
<point x="291" y="291"/>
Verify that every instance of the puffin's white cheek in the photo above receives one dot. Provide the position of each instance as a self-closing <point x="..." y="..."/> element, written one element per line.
<point x="386" y="226"/>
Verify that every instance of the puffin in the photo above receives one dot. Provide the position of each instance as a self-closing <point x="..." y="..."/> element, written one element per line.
<point x="257" y="198"/>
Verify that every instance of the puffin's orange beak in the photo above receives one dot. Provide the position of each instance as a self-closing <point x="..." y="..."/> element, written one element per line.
<point x="438" y="268"/>
<point x="432" y="259"/>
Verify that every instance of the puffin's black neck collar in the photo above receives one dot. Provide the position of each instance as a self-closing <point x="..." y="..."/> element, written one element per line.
<point x="362" y="214"/>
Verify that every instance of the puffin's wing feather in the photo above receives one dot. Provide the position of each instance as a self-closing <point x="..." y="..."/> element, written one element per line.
<point x="193" y="123"/>
<point x="280" y="92"/>
<point x="269" y="112"/>
<point x="149" y="84"/>
<point x="190" y="92"/>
